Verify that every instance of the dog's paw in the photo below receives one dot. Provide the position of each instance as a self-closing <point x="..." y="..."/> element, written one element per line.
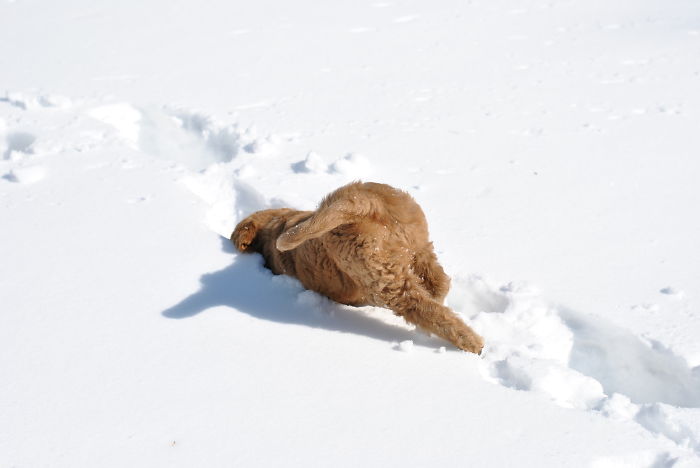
<point x="472" y="343"/>
<point x="244" y="235"/>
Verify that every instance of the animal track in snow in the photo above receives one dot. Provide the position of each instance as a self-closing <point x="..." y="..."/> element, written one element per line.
<point x="578" y="360"/>
<point x="312" y="164"/>
<point x="27" y="101"/>
<point x="26" y="175"/>
<point x="191" y="138"/>
<point x="351" y="165"/>
<point x="18" y="142"/>
<point x="644" y="370"/>
<point x="670" y="291"/>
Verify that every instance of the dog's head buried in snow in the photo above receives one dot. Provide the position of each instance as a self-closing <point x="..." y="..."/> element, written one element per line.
<point x="366" y="244"/>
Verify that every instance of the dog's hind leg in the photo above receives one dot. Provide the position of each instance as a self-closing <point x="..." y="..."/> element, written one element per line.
<point x="431" y="274"/>
<point x="418" y="308"/>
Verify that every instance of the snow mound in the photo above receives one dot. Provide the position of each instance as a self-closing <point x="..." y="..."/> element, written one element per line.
<point x="578" y="360"/>
<point x="352" y="165"/>
<point x="406" y="346"/>
<point x="312" y="164"/>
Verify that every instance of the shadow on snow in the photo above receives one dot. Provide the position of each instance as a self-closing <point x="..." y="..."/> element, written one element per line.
<point x="248" y="287"/>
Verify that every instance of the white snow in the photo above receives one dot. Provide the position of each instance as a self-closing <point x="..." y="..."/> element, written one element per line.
<point x="313" y="163"/>
<point x="552" y="147"/>
<point x="352" y="165"/>
<point x="26" y="175"/>
<point x="406" y="346"/>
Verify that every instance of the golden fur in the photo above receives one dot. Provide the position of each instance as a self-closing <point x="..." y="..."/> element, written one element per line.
<point x="366" y="244"/>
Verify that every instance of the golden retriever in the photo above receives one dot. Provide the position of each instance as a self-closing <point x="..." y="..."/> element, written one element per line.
<point x="366" y="244"/>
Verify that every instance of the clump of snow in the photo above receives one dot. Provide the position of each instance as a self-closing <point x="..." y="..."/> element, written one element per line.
<point x="352" y="165"/>
<point x="26" y="175"/>
<point x="619" y="407"/>
<point x="671" y="291"/>
<point x="312" y="164"/>
<point x="263" y="146"/>
<point x="406" y="346"/>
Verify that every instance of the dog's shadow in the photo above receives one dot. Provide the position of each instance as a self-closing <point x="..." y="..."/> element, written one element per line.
<point x="248" y="287"/>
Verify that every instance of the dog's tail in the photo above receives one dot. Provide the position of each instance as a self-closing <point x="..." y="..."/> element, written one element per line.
<point x="326" y="218"/>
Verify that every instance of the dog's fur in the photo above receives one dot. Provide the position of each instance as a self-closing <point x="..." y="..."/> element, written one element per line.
<point x="366" y="244"/>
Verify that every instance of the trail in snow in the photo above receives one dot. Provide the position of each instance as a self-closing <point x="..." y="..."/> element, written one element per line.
<point x="578" y="360"/>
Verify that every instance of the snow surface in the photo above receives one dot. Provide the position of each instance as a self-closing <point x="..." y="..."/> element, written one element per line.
<point x="552" y="145"/>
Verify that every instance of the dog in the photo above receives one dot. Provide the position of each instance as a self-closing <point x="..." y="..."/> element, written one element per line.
<point x="366" y="244"/>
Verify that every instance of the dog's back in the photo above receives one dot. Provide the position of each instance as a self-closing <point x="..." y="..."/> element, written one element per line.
<point x="370" y="208"/>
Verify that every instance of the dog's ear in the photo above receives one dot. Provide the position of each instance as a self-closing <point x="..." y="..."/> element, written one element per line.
<point x="323" y="220"/>
<point x="292" y="237"/>
<point x="244" y="235"/>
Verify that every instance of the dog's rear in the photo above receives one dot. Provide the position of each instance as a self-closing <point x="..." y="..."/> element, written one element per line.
<point x="367" y="244"/>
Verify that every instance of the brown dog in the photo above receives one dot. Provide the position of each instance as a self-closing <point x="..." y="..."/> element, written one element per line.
<point x="366" y="244"/>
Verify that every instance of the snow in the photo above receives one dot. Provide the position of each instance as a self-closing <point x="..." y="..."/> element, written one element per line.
<point x="26" y="175"/>
<point x="552" y="147"/>
<point x="313" y="163"/>
<point x="352" y="165"/>
<point x="406" y="346"/>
